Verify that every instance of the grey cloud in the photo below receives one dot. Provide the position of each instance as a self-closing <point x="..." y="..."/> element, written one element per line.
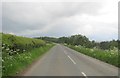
<point x="0" y="17"/>
<point x="32" y="13"/>
<point x="16" y="27"/>
<point x="47" y="18"/>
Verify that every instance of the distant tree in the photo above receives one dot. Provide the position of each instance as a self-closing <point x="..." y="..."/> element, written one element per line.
<point x="83" y="41"/>
<point x="48" y="39"/>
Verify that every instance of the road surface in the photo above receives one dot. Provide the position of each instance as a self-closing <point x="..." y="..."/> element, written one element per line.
<point x="63" y="61"/>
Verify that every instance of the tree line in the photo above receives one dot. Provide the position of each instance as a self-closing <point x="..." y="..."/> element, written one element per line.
<point x="80" y="40"/>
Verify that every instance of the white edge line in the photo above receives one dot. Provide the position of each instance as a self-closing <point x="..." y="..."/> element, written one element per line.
<point x="84" y="74"/>
<point x="71" y="59"/>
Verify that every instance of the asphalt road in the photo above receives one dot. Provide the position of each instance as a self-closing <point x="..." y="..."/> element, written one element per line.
<point x="63" y="61"/>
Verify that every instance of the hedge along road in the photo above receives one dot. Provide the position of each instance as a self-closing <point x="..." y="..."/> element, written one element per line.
<point x="63" y="61"/>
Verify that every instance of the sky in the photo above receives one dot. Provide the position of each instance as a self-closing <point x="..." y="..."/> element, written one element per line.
<point x="96" y="19"/>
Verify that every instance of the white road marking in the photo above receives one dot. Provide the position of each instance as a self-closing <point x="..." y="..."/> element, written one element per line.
<point x="71" y="59"/>
<point x="84" y="74"/>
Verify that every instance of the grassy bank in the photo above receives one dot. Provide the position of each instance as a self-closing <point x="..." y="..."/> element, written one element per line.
<point x="107" y="56"/>
<point x="14" y="64"/>
<point x="22" y="43"/>
<point x="19" y="52"/>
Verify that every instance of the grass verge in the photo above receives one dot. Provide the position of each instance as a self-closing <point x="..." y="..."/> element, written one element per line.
<point x="110" y="57"/>
<point x="12" y="65"/>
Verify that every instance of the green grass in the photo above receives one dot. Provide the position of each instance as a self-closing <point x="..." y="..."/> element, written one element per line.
<point x="0" y="54"/>
<point x="19" y="52"/>
<point x="15" y="42"/>
<point x="110" y="57"/>
<point x="11" y="39"/>
<point x="12" y="44"/>
<point x="15" y="64"/>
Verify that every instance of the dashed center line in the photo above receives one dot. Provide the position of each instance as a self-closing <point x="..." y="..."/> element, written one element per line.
<point x="71" y="59"/>
<point x="84" y="74"/>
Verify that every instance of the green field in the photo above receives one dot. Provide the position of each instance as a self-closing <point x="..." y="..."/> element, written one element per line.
<point x="107" y="56"/>
<point x="17" y="42"/>
<point x="19" y="52"/>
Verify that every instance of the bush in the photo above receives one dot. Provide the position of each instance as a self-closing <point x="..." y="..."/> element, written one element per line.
<point x="106" y="56"/>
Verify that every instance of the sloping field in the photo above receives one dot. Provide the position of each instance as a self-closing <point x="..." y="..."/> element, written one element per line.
<point x="19" y="52"/>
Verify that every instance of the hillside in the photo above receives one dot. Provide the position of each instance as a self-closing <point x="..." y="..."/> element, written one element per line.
<point x="17" y="43"/>
<point x="19" y="52"/>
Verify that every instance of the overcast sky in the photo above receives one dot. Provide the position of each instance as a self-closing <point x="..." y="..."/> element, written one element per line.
<point x="96" y="20"/>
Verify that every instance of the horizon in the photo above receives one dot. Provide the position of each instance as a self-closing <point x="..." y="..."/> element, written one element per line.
<point x="60" y="37"/>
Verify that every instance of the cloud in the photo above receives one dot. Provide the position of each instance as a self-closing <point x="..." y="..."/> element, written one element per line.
<point x="93" y="19"/>
<point x="0" y="17"/>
